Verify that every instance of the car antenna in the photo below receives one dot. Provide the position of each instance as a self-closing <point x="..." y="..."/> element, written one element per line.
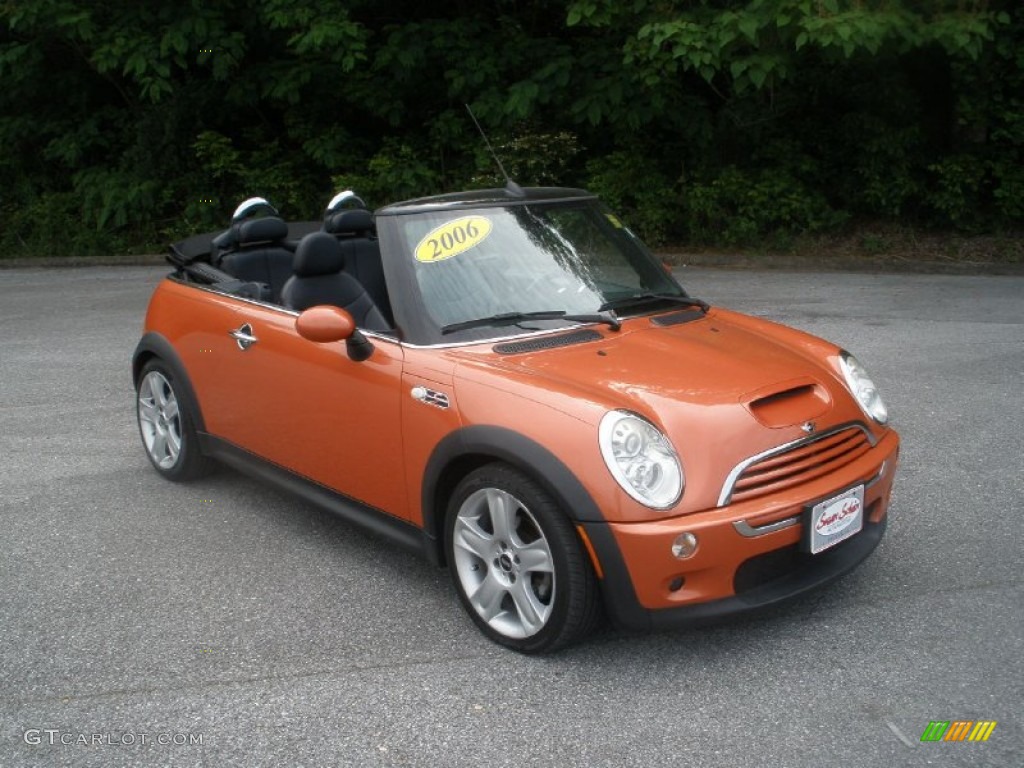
<point x="510" y="186"/>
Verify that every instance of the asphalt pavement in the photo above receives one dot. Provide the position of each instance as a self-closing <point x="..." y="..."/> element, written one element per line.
<point x="221" y="623"/>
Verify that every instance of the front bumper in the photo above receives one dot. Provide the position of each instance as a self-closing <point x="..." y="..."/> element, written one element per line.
<point x="749" y="555"/>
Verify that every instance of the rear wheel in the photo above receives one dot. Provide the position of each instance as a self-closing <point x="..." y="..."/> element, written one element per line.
<point x="167" y="425"/>
<point x="518" y="565"/>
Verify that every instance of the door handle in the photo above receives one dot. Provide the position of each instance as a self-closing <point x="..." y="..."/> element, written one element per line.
<point x="243" y="335"/>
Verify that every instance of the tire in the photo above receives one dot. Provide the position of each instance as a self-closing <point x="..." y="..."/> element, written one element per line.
<point x="517" y="563"/>
<point x="167" y="424"/>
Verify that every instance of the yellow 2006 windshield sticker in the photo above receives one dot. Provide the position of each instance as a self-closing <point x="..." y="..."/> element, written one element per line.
<point x="452" y="238"/>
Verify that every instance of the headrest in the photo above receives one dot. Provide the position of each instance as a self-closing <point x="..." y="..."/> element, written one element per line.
<point x="265" y="230"/>
<point x="318" y="253"/>
<point x="349" y="221"/>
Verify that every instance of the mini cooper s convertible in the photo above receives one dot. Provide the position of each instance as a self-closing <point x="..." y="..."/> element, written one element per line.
<point x="508" y="382"/>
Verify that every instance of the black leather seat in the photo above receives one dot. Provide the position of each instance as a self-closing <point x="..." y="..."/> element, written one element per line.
<point x="260" y="254"/>
<point x="318" y="279"/>
<point x="354" y="229"/>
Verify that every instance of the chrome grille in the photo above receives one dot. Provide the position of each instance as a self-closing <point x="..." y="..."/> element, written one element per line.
<point x="795" y="463"/>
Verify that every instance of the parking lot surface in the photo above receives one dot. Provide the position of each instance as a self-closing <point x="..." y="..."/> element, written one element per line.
<point x="221" y="623"/>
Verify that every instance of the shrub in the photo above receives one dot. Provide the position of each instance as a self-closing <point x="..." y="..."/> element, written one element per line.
<point x="638" y="191"/>
<point x="742" y="207"/>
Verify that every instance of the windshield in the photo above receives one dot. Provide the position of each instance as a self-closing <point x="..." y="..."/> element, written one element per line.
<point x="542" y="257"/>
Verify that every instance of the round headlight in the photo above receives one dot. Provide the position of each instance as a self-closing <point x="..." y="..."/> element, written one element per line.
<point x="641" y="459"/>
<point x="863" y="388"/>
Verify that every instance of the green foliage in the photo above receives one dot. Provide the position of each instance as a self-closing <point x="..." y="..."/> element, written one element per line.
<point x="756" y="45"/>
<point x="883" y="178"/>
<point x="396" y="172"/>
<point x="543" y="158"/>
<point x="957" y="183"/>
<point x="739" y="208"/>
<point x="125" y="123"/>
<point x="1008" y="190"/>
<point x="646" y="198"/>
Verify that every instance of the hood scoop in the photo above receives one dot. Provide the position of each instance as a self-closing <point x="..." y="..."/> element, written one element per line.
<point x="789" y="403"/>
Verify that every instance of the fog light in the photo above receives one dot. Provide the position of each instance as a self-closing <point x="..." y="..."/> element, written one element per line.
<point x="684" y="545"/>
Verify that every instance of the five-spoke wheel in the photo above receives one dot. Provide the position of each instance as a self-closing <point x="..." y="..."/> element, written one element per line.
<point x="517" y="562"/>
<point x="159" y="420"/>
<point x="167" y="426"/>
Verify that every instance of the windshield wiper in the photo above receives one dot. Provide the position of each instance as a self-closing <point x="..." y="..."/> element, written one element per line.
<point x="647" y="298"/>
<point x="514" y="318"/>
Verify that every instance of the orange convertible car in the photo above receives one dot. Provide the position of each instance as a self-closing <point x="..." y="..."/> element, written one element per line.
<point x="508" y="382"/>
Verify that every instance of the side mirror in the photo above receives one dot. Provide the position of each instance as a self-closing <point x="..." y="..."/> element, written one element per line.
<point x="324" y="324"/>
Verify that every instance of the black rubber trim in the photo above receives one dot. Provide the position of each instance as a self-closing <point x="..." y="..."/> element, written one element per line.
<point x="502" y="444"/>
<point x="491" y="443"/>
<point x="620" y="600"/>
<point x="547" y="342"/>
<point x="678" y="318"/>
<point x="156" y="345"/>
<point x="816" y="571"/>
<point x="208" y="274"/>
<point x="389" y="527"/>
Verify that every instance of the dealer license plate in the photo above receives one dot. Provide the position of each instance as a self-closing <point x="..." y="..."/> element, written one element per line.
<point x="836" y="519"/>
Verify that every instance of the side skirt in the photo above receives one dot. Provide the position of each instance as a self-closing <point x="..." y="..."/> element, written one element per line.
<point x="394" y="529"/>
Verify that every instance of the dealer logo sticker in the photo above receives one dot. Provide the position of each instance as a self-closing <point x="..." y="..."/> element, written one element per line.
<point x="836" y="519"/>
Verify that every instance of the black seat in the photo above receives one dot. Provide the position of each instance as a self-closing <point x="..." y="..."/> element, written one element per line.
<point x="260" y="254"/>
<point x="354" y="229"/>
<point x="318" y="279"/>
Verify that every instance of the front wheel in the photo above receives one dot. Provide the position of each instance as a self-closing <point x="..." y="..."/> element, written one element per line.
<point x="518" y="565"/>
<point x="167" y="425"/>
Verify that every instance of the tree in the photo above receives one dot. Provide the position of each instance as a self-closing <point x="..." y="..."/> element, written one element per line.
<point x="128" y="123"/>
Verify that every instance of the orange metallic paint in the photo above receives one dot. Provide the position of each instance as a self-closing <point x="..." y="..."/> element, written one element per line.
<point x="196" y="322"/>
<point x="324" y="324"/>
<point x="302" y="405"/>
<point x="309" y="408"/>
<point x="736" y="386"/>
<point x="424" y="426"/>
<point x="700" y="400"/>
<point x="646" y="547"/>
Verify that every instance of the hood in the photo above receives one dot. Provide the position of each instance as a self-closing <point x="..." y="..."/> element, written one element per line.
<point x="714" y="361"/>
<point x="723" y="387"/>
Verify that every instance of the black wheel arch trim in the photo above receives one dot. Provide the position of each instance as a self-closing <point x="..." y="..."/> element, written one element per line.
<point x="155" y="345"/>
<point x="492" y="443"/>
<point x="486" y="443"/>
<point x="502" y="444"/>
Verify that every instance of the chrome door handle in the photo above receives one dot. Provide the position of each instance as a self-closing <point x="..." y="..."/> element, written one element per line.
<point x="243" y="335"/>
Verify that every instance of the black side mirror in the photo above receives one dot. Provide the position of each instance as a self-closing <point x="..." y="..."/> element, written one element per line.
<point x="358" y="347"/>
